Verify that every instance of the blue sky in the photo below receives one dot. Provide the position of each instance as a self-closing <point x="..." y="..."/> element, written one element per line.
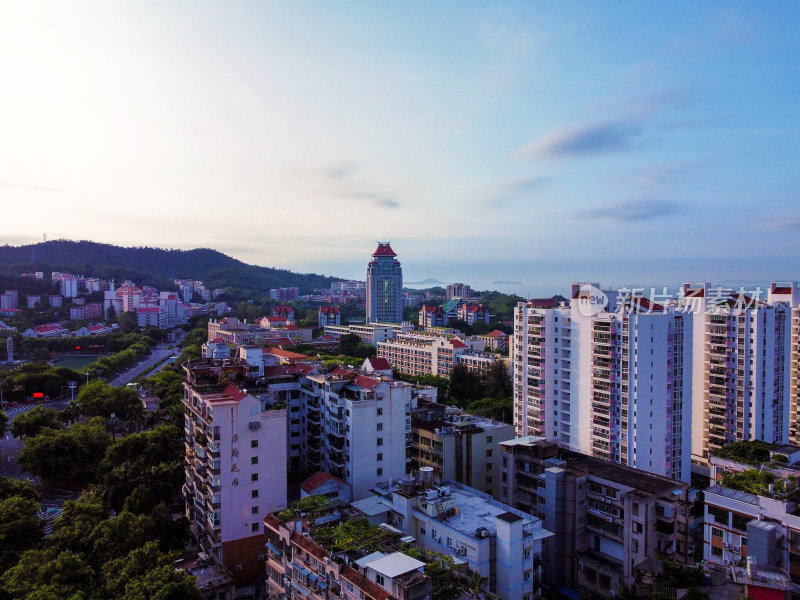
<point x="538" y="143"/>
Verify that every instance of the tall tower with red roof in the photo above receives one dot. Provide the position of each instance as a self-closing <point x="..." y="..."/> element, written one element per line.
<point x="384" y="286"/>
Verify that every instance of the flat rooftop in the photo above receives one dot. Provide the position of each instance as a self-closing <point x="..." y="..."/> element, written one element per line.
<point x="628" y="476"/>
<point x="733" y="494"/>
<point x="395" y="564"/>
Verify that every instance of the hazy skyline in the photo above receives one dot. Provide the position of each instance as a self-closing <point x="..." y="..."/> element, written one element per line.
<point x="534" y="143"/>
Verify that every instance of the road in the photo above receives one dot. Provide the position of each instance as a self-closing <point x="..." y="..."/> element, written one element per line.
<point x="159" y="353"/>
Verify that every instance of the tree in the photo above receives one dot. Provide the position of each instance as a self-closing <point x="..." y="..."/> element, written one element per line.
<point x="465" y="385"/>
<point x="3" y="423"/>
<point x="349" y="343"/>
<point x="147" y="572"/>
<point x="20" y="529"/>
<point x="74" y="529"/>
<point x="66" y="453"/>
<point x="31" y="423"/>
<point x="17" y="487"/>
<point x="127" y="321"/>
<point x="497" y="381"/>
<point x="43" y="575"/>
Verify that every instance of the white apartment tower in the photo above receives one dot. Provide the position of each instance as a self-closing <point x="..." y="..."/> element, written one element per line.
<point x="741" y="366"/>
<point x="356" y="427"/>
<point x="609" y="381"/>
<point x="384" y="286"/>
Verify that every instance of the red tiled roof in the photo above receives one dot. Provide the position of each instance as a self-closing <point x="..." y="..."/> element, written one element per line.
<point x="370" y="588"/>
<point x="309" y="546"/>
<point x="286" y="354"/>
<point x="496" y="333"/>
<point x="329" y="310"/>
<point x="367" y="382"/>
<point x="272" y="521"/>
<point x="696" y="293"/>
<point x="380" y="364"/>
<point x="542" y="302"/>
<point x="457" y="343"/>
<point x="341" y="372"/>
<point x="292" y="328"/>
<point x="48" y="327"/>
<point x="473" y="307"/>
<point x="233" y="391"/>
<point x="316" y="480"/>
<point x="384" y="250"/>
<point x="148" y="309"/>
<point x="782" y="290"/>
<point x="275" y="319"/>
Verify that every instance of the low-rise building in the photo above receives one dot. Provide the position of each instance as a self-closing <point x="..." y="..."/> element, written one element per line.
<point x="474" y="313"/>
<point x="372" y="333"/>
<point x="500" y="543"/>
<point x="752" y="511"/>
<point x="424" y="354"/>
<point x="328" y="315"/>
<point x="457" y="445"/>
<point x="607" y="518"/>
<point x="495" y="340"/>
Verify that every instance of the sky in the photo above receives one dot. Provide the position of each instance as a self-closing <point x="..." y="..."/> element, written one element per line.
<point x="512" y="146"/>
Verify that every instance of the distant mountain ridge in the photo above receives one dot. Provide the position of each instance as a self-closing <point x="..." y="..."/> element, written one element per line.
<point x="154" y="266"/>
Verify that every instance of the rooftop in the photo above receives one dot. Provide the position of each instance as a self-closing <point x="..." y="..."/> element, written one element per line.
<point x="641" y="480"/>
<point x="395" y="564"/>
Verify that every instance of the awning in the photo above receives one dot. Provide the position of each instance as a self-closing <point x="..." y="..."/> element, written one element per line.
<point x="273" y="548"/>
<point x="300" y="588"/>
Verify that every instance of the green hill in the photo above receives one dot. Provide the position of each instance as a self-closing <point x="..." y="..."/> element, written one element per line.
<point x="154" y="266"/>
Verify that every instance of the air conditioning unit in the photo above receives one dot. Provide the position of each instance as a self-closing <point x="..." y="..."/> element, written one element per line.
<point x="238" y="568"/>
<point x="610" y="519"/>
<point x="260" y="557"/>
<point x="607" y="500"/>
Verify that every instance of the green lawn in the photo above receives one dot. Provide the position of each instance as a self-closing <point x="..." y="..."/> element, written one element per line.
<point x="76" y="362"/>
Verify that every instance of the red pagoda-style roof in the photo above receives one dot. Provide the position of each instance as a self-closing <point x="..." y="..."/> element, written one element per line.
<point x="384" y="249"/>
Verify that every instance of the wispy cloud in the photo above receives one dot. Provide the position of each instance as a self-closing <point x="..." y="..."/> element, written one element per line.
<point x="632" y="210"/>
<point x="584" y="140"/>
<point x="34" y="188"/>
<point x="337" y="180"/>
<point x="519" y="188"/>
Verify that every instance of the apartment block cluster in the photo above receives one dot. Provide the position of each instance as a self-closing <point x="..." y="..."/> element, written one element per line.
<point x="658" y="387"/>
<point x="188" y="288"/>
<point x="572" y="502"/>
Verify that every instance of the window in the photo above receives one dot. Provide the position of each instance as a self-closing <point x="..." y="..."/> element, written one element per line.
<point x="489" y="452"/>
<point x="635" y="546"/>
<point x="716" y="532"/>
<point x="254" y="510"/>
<point x="716" y="551"/>
<point x="526" y="553"/>
<point x="380" y="472"/>
<point x="379" y="579"/>
<point x="254" y="477"/>
<point x="488" y="439"/>
<point x="254" y="493"/>
<point x="254" y="443"/>
<point x="380" y="456"/>
<point x="254" y="527"/>
<point x="637" y="527"/>
<point x="253" y="460"/>
<point x="380" y="442"/>
<point x="380" y="426"/>
<point x="527" y="575"/>
<point x="253" y="410"/>
<point x="379" y="411"/>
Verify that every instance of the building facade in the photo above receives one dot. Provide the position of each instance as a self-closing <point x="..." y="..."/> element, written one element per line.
<point x="384" y="286"/>
<point x="607" y="518"/>
<point x="235" y="465"/>
<point x="615" y="385"/>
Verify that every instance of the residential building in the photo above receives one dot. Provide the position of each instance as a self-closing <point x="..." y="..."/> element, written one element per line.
<point x="423" y="354"/>
<point x="607" y="518"/>
<point x="235" y="331"/>
<point x="473" y="313"/>
<point x="349" y="287"/>
<point x="501" y="543"/>
<point x="325" y="484"/>
<point x="328" y="315"/>
<point x="297" y="565"/>
<point x="432" y="316"/>
<point x="284" y="294"/>
<point x="54" y="300"/>
<point x="384" y="286"/>
<point x="151" y="316"/>
<point x="373" y="333"/>
<point x="751" y="509"/>
<point x="68" y="286"/>
<point x="495" y="340"/>
<point x="741" y="366"/>
<point x="355" y="427"/>
<point x="459" y="290"/>
<point x="33" y="300"/>
<point x="457" y="445"/>
<point x="287" y="312"/>
<point x="615" y="385"/>
<point x="9" y="299"/>
<point x="236" y="461"/>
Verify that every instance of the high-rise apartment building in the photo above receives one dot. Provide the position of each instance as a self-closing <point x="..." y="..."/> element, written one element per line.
<point x="611" y="382"/>
<point x="235" y="464"/>
<point x="741" y="372"/>
<point x="459" y="290"/>
<point x="384" y="286"/>
<point x="356" y="427"/>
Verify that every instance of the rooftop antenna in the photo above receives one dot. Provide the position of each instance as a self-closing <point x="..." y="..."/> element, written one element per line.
<point x="44" y="237"/>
